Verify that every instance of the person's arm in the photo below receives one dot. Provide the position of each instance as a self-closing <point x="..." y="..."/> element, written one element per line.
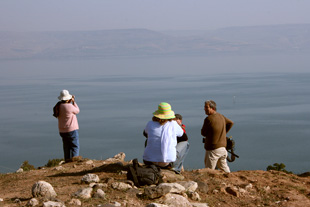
<point x="182" y="138"/>
<point x="229" y="124"/>
<point x="204" y="128"/>
<point x="144" y="134"/>
<point x="75" y="108"/>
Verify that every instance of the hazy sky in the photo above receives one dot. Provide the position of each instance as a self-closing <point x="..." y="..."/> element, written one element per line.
<point x="51" y="15"/>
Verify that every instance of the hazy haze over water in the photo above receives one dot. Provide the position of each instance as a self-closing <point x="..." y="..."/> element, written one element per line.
<point x="267" y="100"/>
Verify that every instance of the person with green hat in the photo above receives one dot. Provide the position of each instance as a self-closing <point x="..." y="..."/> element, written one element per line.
<point x="162" y="133"/>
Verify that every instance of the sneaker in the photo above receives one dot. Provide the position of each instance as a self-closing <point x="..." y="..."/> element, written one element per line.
<point x="76" y="158"/>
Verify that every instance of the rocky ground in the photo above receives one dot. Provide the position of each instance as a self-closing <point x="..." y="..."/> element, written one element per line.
<point x="209" y="187"/>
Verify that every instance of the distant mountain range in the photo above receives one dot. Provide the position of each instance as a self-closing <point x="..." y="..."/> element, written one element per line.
<point x="142" y="42"/>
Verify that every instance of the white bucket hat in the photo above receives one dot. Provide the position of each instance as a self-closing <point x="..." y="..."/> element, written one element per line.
<point x="64" y="95"/>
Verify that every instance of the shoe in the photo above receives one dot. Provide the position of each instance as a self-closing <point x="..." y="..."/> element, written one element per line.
<point x="76" y="158"/>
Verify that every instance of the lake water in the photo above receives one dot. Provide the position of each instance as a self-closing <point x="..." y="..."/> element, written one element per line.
<point x="117" y="97"/>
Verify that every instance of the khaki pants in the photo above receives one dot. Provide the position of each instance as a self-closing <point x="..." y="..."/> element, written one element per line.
<point x="217" y="158"/>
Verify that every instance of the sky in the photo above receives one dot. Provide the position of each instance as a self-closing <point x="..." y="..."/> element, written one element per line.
<point x="159" y="15"/>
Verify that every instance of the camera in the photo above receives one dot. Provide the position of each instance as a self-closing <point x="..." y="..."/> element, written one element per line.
<point x="203" y="140"/>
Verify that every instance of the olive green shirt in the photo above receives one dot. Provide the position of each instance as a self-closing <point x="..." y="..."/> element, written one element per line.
<point x="214" y="129"/>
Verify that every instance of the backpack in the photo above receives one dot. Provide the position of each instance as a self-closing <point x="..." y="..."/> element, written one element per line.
<point x="230" y="147"/>
<point x="144" y="175"/>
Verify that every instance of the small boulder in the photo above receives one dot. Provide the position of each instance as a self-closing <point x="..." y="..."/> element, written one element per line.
<point x="90" y="178"/>
<point x="84" y="193"/>
<point x="43" y="189"/>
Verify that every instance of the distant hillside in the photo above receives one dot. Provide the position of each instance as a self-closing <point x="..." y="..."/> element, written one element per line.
<point x="143" y="42"/>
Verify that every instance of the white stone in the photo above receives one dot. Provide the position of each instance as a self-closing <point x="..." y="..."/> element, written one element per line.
<point x="121" y="186"/>
<point x="199" y="204"/>
<point x="90" y="178"/>
<point x="84" y="193"/>
<point x="62" y="162"/>
<point x="171" y="188"/>
<point x="20" y="170"/>
<point x="53" y="204"/>
<point x="75" y="202"/>
<point x="59" y="168"/>
<point x="189" y="185"/>
<point x="194" y="196"/>
<point x="99" y="194"/>
<point x="33" y="202"/>
<point x="249" y="186"/>
<point x="156" y="205"/>
<point x="89" y="162"/>
<point x="43" y="189"/>
<point x="115" y="203"/>
<point x="174" y="200"/>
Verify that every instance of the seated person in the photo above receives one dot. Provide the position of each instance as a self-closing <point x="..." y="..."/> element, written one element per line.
<point x="182" y="146"/>
<point x="162" y="133"/>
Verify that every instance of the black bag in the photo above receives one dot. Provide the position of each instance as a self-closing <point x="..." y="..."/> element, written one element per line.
<point x="144" y="175"/>
<point x="230" y="147"/>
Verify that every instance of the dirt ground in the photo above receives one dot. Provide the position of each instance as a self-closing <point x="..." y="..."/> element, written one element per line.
<point x="251" y="188"/>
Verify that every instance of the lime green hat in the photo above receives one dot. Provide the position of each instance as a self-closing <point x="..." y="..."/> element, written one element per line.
<point x="164" y="111"/>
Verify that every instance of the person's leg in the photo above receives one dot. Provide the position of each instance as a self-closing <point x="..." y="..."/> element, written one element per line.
<point x="74" y="145"/>
<point x="211" y="159"/>
<point x="222" y="162"/>
<point x="182" y="150"/>
<point x="66" y="145"/>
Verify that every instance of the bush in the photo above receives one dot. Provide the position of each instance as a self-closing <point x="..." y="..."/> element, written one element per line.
<point x="278" y="167"/>
<point x="26" y="166"/>
<point x="53" y="162"/>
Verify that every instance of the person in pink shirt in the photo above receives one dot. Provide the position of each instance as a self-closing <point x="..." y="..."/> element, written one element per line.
<point x="66" y="110"/>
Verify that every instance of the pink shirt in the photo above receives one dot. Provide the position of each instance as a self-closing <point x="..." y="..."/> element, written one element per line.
<point x="67" y="120"/>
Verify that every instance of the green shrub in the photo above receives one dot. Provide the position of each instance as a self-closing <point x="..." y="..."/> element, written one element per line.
<point x="53" y="162"/>
<point x="278" y="167"/>
<point x="26" y="166"/>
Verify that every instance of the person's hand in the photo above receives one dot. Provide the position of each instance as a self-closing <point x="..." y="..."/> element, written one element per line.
<point x="72" y="99"/>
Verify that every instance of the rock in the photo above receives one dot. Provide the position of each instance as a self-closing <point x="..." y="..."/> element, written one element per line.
<point x="75" y="202"/>
<point x="189" y="185"/>
<point x="17" y="200"/>
<point x="170" y="188"/>
<point x="33" y="202"/>
<point x="59" y="168"/>
<point x="163" y="189"/>
<point x="171" y="176"/>
<point x="84" y="193"/>
<point x="113" y="204"/>
<point x="156" y="205"/>
<point x="232" y="191"/>
<point x="62" y="162"/>
<point x="176" y="200"/>
<point x="202" y="187"/>
<point x="53" y="204"/>
<point x="43" y="189"/>
<point x="119" y="157"/>
<point x="90" y="178"/>
<point x="99" y="194"/>
<point x="98" y="185"/>
<point x="121" y="186"/>
<point x="199" y="204"/>
<point x="194" y="196"/>
<point x="20" y="170"/>
<point x="89" y="162"/>
<point x="249" y="186"/>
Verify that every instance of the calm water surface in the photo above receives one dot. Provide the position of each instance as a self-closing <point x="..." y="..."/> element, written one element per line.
<point x="271" y="111"/>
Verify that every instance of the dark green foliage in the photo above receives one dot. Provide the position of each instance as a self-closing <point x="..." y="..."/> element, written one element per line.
<point x="26" y="166"/>
<point x="278" y="167"/>
<point x="53" y="162"/>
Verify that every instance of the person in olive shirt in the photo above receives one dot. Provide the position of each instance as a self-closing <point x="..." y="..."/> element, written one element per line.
<point x="214" y="130"/>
